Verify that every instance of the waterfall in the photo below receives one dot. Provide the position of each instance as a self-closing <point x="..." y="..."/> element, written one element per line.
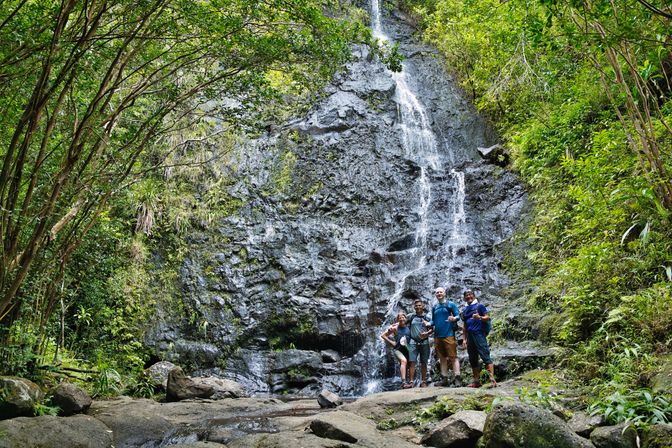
<point x="373" y="216"/>
<point x="420" y="145"/>
<point x="458" y="239"/>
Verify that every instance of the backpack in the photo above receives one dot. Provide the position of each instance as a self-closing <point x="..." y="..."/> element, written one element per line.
<point x="454" y="324"/>
<point x="487" y="326"/>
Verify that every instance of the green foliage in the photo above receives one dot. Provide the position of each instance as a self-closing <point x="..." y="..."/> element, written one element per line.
<point x="446" y="406"/>
<point x="541" y="396"/>
<point x="580" y="92"/>
<point x="45" y="409"/>
<point x="288" y="329"/>
<point x="143" y="386"/>
<point x="105" y="133"/>
<point x="639" y="408"/>
<point x="392" y="423"/>
<point x="108" y="383"/>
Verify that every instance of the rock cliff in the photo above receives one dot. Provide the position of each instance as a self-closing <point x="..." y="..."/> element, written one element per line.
<point x="326" y="246"/>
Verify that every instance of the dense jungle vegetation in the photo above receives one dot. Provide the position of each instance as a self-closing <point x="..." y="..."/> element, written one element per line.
<point x="116" y="118"/>
<point x="580" y="92"/>
<point x="115" y="115"/>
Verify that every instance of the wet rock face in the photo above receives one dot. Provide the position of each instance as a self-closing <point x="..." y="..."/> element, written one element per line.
<point x="328" y="232"/>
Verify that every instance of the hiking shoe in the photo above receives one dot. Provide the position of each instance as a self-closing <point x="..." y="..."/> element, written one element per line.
<point x="444" y="381"/>
<point x="474" y="384"/>
<point x="406" y="385"/>
<point x="457" y="382"/>
<point x="423" y="384"/>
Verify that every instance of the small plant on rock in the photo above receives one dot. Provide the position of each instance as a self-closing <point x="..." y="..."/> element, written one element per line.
<point x="143" y="387"/>
<point x="40" y="408"/>
<point x="541" y="396"/>
<point x="108" y="383"/>
<point x="442" y="408"/>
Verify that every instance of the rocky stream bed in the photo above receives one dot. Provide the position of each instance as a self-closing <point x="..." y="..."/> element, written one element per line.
<point x="434" y="416"/>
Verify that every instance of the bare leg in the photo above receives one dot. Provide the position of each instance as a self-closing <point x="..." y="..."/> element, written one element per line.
<point x="491" y="373"/>
<point x="411" y="372"/>
<point x="402" y="369"/>
<point x="423" y="371"/>
<point x="443" y="362"/>
<point x="476" y="374"/>
<point x="456" y="366"/>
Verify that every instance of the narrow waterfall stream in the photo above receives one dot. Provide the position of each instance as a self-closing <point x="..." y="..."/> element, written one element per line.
<point x="420" y="145"/>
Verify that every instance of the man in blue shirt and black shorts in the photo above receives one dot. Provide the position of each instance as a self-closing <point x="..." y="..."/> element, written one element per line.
<point x="475" y="315"/>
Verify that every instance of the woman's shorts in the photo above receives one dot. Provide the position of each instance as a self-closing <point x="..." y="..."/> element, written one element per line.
<point x="415" y="349"/>
<point x="477" y="345"/>
<point x="401" y="354"/>
<point x="446" y="347"/>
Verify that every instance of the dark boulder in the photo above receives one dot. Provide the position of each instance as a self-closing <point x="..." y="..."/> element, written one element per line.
<point x="619" y="436"/>
<point x="658" y="436"/>
<point x="158" y="373"/>
<point x="19" y="397"/>
<point x="222" y="388"/>
<point x="71" y="399"/>
<point x="583" y="424"/>
<point x="495" y="154"/>
<point x="79" y="431"/>
<point x="327" y="430"/>
<point x="181" y="387"/>
<point x="330" y="356"/>
<point x="328" y="399"/>
<point x="518" y="425"/>
<point x="460" y="430"/>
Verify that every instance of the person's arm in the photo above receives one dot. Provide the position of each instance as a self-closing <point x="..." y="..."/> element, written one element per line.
<point x="465" y="331"/>
<point x="483" y="313"/>
<point x="455" y="314"/>
<point x="392" y="329"/>
<point x="425" y="334"/>
<point x="429" y="329"/>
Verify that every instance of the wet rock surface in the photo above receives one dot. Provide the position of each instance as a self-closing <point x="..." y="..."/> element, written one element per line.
<point x="269" y="422"/>
<point x="327" y="235"/>
<point x="79" y="431"/>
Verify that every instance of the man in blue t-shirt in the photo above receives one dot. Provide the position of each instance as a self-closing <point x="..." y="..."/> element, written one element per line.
<point x="444" y="320"/>
<point x="474" y="316"/>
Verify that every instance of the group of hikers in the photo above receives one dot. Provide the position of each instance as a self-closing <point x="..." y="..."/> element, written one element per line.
<point x="409" y="339"/>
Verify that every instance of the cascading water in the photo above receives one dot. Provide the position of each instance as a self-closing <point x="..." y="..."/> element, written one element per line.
<point x="420" y="145"/>
<point x="458" y="239"/>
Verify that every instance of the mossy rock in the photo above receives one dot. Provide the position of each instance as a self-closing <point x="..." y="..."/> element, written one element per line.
<point x="512" y="424"/>
<point x="549" y="326"/>
<point x="662" y="382"/>
<point x="658" y="436"/>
